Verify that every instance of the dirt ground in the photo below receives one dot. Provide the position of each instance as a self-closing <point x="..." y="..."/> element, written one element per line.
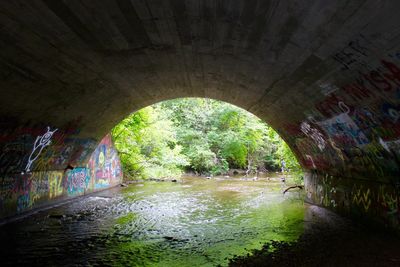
<point x="329" y="240"/>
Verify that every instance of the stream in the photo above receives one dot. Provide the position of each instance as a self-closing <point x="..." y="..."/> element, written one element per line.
<point x="192" y="222"/>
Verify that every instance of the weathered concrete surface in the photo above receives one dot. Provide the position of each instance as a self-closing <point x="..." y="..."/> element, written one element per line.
<point x="22" y="192"/>
<point x="324" y="74"/>
<point x="367" y="201"/>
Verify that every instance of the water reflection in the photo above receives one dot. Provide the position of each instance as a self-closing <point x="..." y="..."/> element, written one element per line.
<point x="197" y="222"/>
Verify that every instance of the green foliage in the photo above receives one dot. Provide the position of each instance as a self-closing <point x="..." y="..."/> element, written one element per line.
<point x="147" y="146"/>
<point x="201" y="158"/>
<point x="235" y="152"/>
<point x="285" y="153"/>
<point x="203" y="135"/>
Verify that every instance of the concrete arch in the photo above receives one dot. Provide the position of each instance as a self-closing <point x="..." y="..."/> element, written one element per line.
<point x="325" y="75"/>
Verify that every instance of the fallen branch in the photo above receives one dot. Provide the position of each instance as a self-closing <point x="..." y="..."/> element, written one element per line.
<point x="291" y="187"/>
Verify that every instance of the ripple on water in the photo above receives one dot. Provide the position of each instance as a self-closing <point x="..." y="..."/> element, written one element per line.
<point x="194" y="223"/>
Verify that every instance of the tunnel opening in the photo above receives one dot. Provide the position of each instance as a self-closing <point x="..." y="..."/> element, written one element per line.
<point x="170" y="224"/>
<point x="325" y="75"/>
<point x="203" y="137"/>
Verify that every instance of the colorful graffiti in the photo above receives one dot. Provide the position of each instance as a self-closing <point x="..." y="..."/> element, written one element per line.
<point x="77" y="181"/>
<point x="342" y="129"/>
<point x="56" y="187"/>
<point x="39" y="188"/>
<point x="37" y="184"/>
<point x="22" y="190"/>
<point x="26" y="189"/>
<point x="355" y="128"/>
<point x="349" y="140"/>
<point x="105" y="164"/>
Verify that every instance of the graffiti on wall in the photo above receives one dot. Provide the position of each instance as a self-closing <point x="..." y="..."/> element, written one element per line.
<point x="344" y="131"/>
<point x="354" y="54"/>
<point x="77" y="181"/>
<point x="55" y="184"/>
<point x="355" y="128"/>
<point x="40" y="143"/>
<point x="12" y="157"/>
<point x="37" y="167"/>
<point x="361" y="197"/>
<point x="314" y="134"/>
<point x="7" y="184"/>
<point x="39" y="188"/>
<point x="29" y="188"/>
<point x="22" y="190"/>
<point x="378" y="201"/>
<point x="32" y="149"/>
<point x="105" y="164"/>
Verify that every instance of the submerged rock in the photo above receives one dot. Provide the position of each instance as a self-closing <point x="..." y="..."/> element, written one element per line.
<point x="56" y="216"/>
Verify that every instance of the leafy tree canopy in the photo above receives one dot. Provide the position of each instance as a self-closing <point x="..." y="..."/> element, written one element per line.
<point x="201" y="135"/>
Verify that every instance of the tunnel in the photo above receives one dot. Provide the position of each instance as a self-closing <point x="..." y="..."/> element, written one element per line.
<point x="324" y="74"/>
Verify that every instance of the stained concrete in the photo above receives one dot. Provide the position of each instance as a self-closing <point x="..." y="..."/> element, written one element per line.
<point x="324" y="74"/>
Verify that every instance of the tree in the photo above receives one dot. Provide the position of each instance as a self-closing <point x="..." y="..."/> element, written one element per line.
<point x="147" y="146"/>
<point x="202" y="135"/>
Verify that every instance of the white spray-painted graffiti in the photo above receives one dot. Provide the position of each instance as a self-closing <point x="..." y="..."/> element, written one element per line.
<point x="314" y="134"/>
<point x="40" y="143"/>
<point x="308" y="157"/>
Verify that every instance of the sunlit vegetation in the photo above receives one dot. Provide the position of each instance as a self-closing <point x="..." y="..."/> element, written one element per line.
<point x="203" y="136"/>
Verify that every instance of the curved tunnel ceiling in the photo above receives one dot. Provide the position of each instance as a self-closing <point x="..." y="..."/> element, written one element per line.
<point x="324" y="74"/>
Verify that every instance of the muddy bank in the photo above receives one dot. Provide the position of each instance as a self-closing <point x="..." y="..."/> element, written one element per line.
<point x="328" y="240"/>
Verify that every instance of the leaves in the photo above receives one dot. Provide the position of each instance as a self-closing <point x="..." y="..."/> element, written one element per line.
<point x="203" y="135"/>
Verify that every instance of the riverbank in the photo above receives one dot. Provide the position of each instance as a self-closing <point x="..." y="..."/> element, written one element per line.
<point x="231" y="174"/>
<point x="328" y="240"/>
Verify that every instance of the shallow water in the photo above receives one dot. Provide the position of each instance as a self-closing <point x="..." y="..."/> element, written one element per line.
<point x="195" y="222"/>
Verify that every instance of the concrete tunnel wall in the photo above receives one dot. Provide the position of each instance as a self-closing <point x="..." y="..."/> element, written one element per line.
<point x="325" y="75"/>
<point x="39" y="187"/>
